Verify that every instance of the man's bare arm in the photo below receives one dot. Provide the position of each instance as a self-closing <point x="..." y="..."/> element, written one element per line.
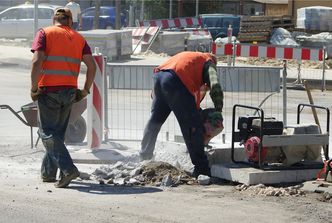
<point x="91" y="70"/>
<point x="37" y="61"/>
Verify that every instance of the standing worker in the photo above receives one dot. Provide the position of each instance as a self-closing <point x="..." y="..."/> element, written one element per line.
<point x="177" y="84"/>
<point x="76" y="12"/>
<point x="57" y="54"/>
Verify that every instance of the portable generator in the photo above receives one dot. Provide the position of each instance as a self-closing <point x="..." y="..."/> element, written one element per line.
<point x="271" y="145"/>
<point x="250" y="132"/>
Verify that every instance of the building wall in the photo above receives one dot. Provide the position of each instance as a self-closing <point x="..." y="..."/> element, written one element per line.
<point x="293" y="5"/>
<point x="276" y="9"/>
<point x="253" y="8"/>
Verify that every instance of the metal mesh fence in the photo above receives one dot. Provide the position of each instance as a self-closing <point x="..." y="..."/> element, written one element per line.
<point x="129" y="100"/>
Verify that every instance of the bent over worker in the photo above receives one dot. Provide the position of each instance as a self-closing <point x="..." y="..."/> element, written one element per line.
<point x="177" y="84"/>
<point x="57" y="54"/>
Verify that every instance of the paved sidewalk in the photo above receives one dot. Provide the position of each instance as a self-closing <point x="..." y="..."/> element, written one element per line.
<point x="12" y="55"/>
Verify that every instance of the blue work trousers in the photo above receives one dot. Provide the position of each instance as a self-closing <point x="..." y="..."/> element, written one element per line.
<point x="172" y="95"/>
<point x="53" y="112"/>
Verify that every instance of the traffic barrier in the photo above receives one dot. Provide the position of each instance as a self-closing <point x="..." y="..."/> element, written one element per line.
<point x="145" y="35"/>
<point x="95" y="105"/>
<point x="173" y="23"/>
<point x="198" y="32"/>
<point x="268" y="51"/>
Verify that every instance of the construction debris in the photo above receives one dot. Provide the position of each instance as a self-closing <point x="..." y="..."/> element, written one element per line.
<point x="203" y="180"/>
<point x="261" y="189"/>
<point x="326" y="197"/>
<point x="148" y="173"/>
<point x="259" y="28"/>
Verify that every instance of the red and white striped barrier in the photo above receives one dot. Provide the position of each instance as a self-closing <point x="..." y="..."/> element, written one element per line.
<point x="95" y="106"/>
<point x="173" y="23"/>
<point x="199" y="32"/>
<point x="146" y="33"/>
<point x="268" y="51"/>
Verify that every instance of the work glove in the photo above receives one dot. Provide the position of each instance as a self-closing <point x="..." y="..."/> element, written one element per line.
<point x="80" y="94"/>
<point x="213" y="126"/>
<point x="34" y="94"/>
<point x="216" y="119"/>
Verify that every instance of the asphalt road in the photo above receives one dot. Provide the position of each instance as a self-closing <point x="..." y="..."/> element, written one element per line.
<point x="23" y="198"/>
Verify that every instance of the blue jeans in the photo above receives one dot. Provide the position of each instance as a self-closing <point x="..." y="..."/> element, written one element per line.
<point x="54" y="111"/>
<point x="172" y="95"/>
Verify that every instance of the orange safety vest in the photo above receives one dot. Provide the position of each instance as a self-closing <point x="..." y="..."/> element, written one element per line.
<point x="188" y="66"/>
<point x="63" y="56"/>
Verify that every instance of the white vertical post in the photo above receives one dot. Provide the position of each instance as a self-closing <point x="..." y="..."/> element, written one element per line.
<point x="284" y="93"/>
<point x="105" y="101"/>
<point x="229" y="35"/>
<point x="95" y="105"/>
<point x="324" y="64"/>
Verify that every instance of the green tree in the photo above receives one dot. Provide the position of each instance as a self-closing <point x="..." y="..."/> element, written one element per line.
<point x="156" y="9"/>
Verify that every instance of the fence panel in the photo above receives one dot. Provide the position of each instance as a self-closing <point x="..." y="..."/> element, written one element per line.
<point x="130" y="98"/>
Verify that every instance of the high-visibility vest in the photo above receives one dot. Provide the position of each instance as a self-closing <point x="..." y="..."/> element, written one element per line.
<point x="63" y="56"/>
<point x="188" y="66"/>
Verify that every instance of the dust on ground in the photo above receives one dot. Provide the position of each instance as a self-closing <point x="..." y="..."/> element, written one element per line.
<point x="163" y="174"/>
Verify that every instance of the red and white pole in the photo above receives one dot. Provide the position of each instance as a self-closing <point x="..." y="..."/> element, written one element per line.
<point x="95" y="105"/>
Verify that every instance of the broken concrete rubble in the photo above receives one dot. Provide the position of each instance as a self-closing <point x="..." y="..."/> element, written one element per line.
<point x="146" y="173"/>
<point x="261" y="189"/>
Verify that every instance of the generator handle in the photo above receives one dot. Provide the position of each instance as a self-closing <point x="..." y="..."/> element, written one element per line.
<point x="257" y="109"/>
<point x="300" y="108"/>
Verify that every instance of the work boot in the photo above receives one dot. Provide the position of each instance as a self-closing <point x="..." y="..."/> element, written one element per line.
<point x="201" y="171"/>
<point x="66" y="179"/>
<point x="143" y="158"/>
<point x="48" y="179"/>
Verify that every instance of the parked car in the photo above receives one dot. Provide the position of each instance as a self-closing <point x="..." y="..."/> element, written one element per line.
<point x="18" y="21"/>
<point x="218" y="24"/>
<point x="106" y="18"/>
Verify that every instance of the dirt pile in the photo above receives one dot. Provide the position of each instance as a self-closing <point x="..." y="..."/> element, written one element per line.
<point x="147" y="173"/>
<point x="159" y="173"/>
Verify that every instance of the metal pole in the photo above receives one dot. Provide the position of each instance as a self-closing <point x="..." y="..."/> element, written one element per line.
<point x="118" y="24"/>
<point x="299" y="79"/>
<point x="35" y="24"/>
<point x="234" y="52"/>
<point x="324" y="64"/>
<point x="105" y="100"/>
<point x="96" y="15"/>
<point x="170" y="8"/>
<point x="142" y="11"/>
<point x="284" y="93"/>
<point x="197" y="7"/>
<point x="131" y="16"/>
<point x="229" y="35"/>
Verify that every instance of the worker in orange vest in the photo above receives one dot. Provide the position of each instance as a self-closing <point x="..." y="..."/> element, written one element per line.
<point x="57" y="54"/>
<point x="177" y="87"/>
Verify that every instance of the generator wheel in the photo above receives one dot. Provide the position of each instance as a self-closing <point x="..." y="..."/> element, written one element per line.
<point x="76" y="131"/>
